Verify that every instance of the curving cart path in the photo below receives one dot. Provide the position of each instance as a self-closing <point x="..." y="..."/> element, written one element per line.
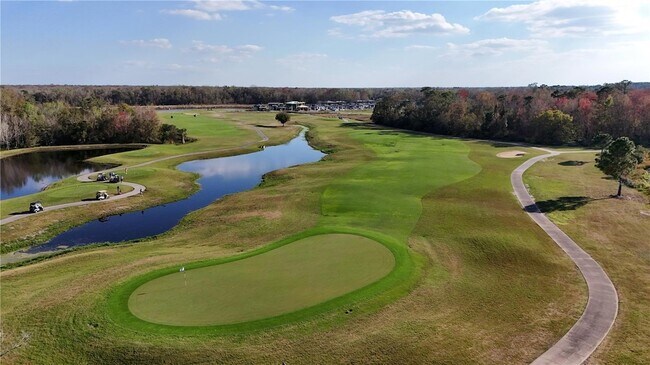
<point x="136" y="187"/>
<point x="602" y="306"/>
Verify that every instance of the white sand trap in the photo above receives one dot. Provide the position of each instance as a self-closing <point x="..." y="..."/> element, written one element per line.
<point x="511" y="154"/>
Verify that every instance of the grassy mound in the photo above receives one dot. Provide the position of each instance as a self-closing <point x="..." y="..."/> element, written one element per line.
<point x="298" y="275"/>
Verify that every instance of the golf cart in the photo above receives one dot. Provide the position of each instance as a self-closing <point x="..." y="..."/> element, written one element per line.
<point x="101" y="195"/>
<point x="35" y="207"/>
<point x="101" y="177"/>
<point x="114" y="178"/>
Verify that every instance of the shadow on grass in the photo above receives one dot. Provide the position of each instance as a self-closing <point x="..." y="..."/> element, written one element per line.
<point x="501" y="144"/>
<point x="561" y="204"/>
<point x="384" y="130"/>
<point x="266" y="126"/>
<point x="20" y="213"/>
<point x="573" y="163"/>
<point x="360" y="125"/>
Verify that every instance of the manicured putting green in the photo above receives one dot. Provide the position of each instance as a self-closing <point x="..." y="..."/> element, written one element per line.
<point x="295" y="276"/>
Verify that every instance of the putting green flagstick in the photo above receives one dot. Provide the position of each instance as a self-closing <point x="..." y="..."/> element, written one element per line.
<point x="184" y="277"/>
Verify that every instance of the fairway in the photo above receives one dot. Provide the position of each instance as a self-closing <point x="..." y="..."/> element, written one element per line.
<point x="461" y="265"/>
<point x="295" y="276"/>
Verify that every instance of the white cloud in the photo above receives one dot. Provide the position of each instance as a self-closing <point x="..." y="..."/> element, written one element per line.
<point x="249" y="48"/>
<point x="219" y="6"/>
<point x="497" y="46"/>
<point x="156" y="42"/>
<point x="558" y="18"/>
<point x="281" y="8"/>
<point x="217" y="53"/>
<point x="194" y="14"/>
<point x="419" y="47"/>
<point x="200" y="46"/>
<point x="381" y="24"/>
<point x="213" y="9"/>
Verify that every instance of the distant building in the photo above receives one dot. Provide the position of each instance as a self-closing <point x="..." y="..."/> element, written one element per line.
<point x="321" y="106"/>
<point x="293" y="105"/>
<point x="276" y="106"/>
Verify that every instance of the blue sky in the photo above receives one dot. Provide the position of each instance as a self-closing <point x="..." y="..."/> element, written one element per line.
<point x="325" y="43"/>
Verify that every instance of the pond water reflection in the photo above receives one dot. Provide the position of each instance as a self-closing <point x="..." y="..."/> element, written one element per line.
<point x="219" y="177"/>
<point x="29" y="173"/>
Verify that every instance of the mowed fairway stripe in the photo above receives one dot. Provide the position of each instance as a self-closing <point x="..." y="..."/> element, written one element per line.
<point x="386" y="194"/>
<point x="295" y="276"/>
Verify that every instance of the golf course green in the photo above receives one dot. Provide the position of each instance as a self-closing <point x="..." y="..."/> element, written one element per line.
<point x="395" y="246"/>
<point x="298" y="275"/>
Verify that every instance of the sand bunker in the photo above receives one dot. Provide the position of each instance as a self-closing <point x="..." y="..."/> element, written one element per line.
<point x="511" y="154"/>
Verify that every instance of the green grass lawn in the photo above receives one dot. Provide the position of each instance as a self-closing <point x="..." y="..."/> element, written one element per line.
<point x="475" y="280"/>
<point x="60" y="194"/>
<point x="577" y="197"/>
<point x="386" y="194"/>
<point x="212" y="133"/>
<point x="295" y="276"/>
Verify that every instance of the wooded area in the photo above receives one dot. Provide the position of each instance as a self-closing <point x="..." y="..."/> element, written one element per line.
<point x="28" y="124"/>
<point x="55" y="115"/>
<point x="185" y="95"/>
<point x="537" y="114"/>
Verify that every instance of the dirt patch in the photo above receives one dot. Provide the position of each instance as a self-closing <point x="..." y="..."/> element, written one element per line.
<point x="645" y="212"/>
<point x="511" y="154"/>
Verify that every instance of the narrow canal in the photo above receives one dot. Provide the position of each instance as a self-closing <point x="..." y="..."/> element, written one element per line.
<point x="219" y="177"/>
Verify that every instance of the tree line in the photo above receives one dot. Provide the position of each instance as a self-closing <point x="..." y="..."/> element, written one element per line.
<point x="537" y="114"/>
<point x="188" y="95"/>
<point x="25" y="123"/>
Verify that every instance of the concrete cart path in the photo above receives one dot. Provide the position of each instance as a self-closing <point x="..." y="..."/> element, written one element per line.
<point x="136" y="187"/>
<point x="135" y="191"/>
<point x="602" y="306"/>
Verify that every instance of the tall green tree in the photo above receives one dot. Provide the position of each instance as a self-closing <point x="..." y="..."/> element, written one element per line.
<point x="618" y="159"/>
<point x="553" y="127"/>
<point x="601" y="140"/>
<point x="282" y="117"/>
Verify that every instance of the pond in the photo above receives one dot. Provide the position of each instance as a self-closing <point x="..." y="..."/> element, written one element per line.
<point x="219" y="177"/>
<point x="30" y="173"/>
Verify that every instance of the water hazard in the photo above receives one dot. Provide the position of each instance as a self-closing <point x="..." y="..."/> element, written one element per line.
<point x="29" y="173"/>
<point x="219" y="177"/>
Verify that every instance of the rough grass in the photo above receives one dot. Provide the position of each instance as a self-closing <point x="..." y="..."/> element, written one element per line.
<point x="614" y="232"/>
<point x="484" y="285"/>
